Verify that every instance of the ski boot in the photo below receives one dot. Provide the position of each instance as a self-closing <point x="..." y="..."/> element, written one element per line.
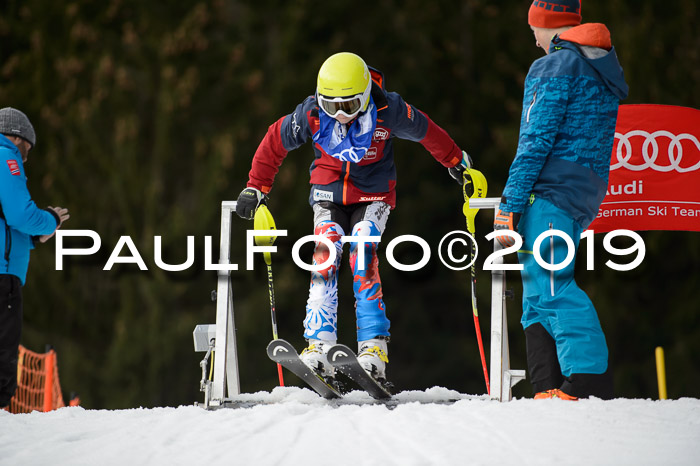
<point x="555" y="393"/>
<point x="373" y="356"/>
<point x="315" y="357"/>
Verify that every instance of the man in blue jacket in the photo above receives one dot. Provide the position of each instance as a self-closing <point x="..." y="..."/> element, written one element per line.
<point x="557" y="182"/>
<point x="22" y="223"/>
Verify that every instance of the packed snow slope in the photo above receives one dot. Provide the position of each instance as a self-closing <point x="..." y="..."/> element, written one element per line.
<point x="293" y="426"/>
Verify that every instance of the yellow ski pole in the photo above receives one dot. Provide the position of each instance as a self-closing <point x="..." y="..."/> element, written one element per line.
<point x="263" y="221"/>
<point x="475" y="186"/>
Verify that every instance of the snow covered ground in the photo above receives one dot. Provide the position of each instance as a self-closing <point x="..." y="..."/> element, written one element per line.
<point x="295" y="427"/>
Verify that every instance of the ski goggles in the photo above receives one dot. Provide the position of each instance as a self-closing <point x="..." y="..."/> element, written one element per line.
<point x="347" y="106"/>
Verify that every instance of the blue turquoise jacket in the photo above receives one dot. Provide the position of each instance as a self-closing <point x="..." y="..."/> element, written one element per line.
<point x="567" y="126"/>
<point x="20" y="218"/>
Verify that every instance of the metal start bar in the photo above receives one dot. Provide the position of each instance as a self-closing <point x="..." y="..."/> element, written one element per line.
<point x="484" y="202"/>
<point x="226" y="379"/>
<point x="502" y="377"/>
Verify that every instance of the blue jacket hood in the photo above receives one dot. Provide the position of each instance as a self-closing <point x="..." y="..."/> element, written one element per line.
<point x="592" y="43"/>
<point x="4" y="142"/>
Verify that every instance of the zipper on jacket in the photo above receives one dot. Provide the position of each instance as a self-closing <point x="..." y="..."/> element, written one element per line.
<point x="532" y="104"/>
<point x="551" y="255"/>
<point x="8" y="244"/>
<point x="345" y="182"/>
<point x="8" y="238"/>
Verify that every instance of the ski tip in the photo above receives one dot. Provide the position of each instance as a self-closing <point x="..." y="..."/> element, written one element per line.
<point x="276" y="347"/>
<point x="340" y="352"/>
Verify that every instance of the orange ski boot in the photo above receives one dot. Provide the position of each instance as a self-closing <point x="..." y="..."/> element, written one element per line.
<point x="555" y="393"/>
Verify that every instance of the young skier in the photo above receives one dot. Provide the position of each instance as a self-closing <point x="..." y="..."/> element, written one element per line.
<point x="350" y="120"/>
<point x="557" y="182"/>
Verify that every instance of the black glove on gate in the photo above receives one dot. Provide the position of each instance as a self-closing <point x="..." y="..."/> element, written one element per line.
<point x="457" y="171"/>
<point x="248" y="202"/>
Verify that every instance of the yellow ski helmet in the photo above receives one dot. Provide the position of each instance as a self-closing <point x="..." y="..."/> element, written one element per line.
<point x="343" y="85"/>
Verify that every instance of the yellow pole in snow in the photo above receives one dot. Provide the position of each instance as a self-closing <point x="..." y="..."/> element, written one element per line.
<point x="661" y="372"/>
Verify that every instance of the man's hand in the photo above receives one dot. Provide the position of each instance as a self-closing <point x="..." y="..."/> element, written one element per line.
<point x="506" y="221"/>
<point x="457" y="171"/>
<point x="248" y="202"/>
<point x="62" y="215"/>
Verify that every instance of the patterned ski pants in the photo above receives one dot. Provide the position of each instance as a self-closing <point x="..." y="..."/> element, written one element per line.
<point x="331" y="221"/>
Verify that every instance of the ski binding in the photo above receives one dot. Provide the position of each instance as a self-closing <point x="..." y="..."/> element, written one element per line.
<point x="283" y="352"/>
<point x="344" y="360"/>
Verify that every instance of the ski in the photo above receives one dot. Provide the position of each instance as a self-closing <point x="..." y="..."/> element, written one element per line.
<point x="344" y="360"/>
<point x="283" y="352"/>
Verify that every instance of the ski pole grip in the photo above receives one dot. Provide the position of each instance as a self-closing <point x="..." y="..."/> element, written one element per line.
<point x="474" y="187"/>
<point x="263" y="221"/>
<point x="470" y="214"/>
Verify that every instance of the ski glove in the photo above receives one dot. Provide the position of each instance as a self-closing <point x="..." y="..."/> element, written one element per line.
<point x="457" y="171"/>
<point x="506" y="221"/>
<point x="248" y="202"/>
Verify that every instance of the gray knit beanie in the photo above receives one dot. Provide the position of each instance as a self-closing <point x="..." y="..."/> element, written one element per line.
<point x="15" y="123"/>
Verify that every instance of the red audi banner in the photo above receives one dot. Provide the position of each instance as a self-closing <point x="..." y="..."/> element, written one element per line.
<point x="654" y="171"/>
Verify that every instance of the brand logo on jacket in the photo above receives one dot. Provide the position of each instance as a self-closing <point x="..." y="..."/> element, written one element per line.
<point x="381" y="134"/>
<point x="371" y="154"/>
<point x="14" y="167"/>
<point x="372" y="199"/>
<point x="320" y="195"/>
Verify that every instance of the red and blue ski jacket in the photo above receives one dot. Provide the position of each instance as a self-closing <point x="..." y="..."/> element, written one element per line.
<point x="371" y="179"/>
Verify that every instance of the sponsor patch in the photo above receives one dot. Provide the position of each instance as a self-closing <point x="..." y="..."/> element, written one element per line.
<point x="371" y="154"/>
<point x="372" y="198"/>
<point x="380" y="134"/>
<point x="320" y="195"/>
<point x="14" y="167"/>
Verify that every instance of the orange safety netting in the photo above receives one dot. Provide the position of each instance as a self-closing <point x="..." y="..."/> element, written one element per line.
<point x="38" y="387"/>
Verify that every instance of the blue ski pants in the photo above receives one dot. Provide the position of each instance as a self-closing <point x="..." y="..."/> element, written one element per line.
<point x="552" y="298"/>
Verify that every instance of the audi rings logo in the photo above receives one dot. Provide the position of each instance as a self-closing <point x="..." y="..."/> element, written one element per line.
<point x="652" y="155"/>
